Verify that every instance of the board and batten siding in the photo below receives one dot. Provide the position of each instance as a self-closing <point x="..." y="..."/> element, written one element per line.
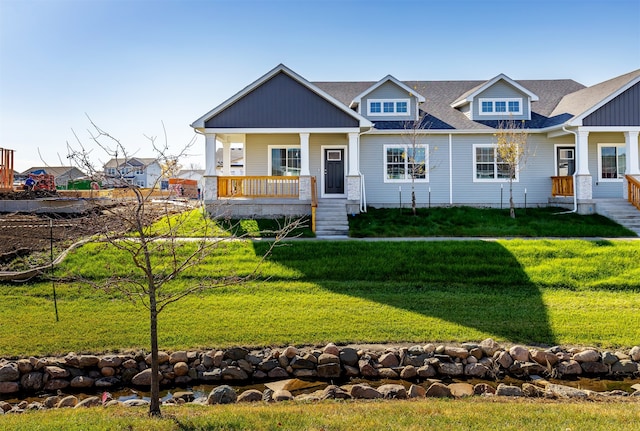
<point x="501" y="90"/>
<point x="623" y="110"/>
<point x="281" y="102"/>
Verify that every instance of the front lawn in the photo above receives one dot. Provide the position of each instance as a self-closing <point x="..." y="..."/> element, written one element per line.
<point x="314" y="292"/>
<point x="482" y="222"/>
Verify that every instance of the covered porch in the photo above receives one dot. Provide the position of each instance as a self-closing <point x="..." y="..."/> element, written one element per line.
<point x="286" y="172"/>
<point x="606" y="164"/>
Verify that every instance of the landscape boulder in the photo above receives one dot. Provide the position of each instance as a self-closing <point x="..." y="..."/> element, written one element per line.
<point x="222" y="395"/>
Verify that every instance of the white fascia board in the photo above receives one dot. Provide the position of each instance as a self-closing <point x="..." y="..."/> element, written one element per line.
<point x="411" y="91"/>
<point x="533" y="97"/>
<point x="199" y="123"/>
<point x="271" y="131"/>
<point x="447" y="131"/>
<point x="577" y="120"/>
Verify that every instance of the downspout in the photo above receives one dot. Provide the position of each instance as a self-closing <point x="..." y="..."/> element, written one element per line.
<point x="363" y="197"/>
<point x="450" y="169"/>
<point x="575" y="170"/>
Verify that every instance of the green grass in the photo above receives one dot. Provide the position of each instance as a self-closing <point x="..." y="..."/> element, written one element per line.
<point x="309" y="292"/>
<point x="482" y="222"/>
<point x="196" y="223"/>
<point x="447" y="415"/>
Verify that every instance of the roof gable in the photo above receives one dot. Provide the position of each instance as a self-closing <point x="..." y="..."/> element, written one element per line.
<point x="472" y="93"/>
<point x="281" y="99"/>
<point x="587" y="101"/>
<point x="356" y="100"/>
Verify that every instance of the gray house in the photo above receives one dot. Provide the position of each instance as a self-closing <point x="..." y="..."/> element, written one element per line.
<point x="137" y="171"/>
<point x="349" y="142"/>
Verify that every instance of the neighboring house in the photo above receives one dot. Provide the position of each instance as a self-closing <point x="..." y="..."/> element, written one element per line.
<point x="137" y="171"/>
<point x="352" y="140"/>
<point x="61" y="174"/>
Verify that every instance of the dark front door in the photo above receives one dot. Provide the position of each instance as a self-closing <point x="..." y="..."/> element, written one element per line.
<point x="566" y="158"/>
<point x="334" y="171"/>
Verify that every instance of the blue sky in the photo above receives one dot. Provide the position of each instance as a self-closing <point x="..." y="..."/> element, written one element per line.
<point x="132" y="65"/>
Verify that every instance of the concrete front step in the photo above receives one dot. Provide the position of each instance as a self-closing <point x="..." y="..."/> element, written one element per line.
<point x="620" y="211"/>
<point x="331" y="219"/>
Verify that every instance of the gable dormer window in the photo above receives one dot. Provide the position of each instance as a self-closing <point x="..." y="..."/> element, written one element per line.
<point x="500" y="106"/>
<point x="388" y="107"/>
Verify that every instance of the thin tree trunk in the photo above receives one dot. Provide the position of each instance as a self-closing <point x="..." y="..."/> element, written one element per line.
<point x="413" y="201"/>
<point x="154" y="407"/>
<point x="512" y="208"/>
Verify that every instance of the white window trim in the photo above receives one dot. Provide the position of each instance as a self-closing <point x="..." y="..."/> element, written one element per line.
<point x="276" y="147"/>
<point x="493" y="101"/>
<point x="490" y="180"/>
<point x="388" y="114"/>
<point x="406" y="148"/>
<point x="608" y="180"/>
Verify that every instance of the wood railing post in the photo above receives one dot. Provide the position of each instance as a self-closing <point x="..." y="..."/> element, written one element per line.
<point x="633" y="191"/>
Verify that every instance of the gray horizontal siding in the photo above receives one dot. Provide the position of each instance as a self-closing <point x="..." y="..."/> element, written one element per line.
<point x="282" y="102"/>
<point x="623" y="110"/>
<point x="535" y="176"/>
<point x="381" y="194"/>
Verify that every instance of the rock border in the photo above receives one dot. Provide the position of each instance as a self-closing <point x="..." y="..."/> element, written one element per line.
<point x="486" y="360"/>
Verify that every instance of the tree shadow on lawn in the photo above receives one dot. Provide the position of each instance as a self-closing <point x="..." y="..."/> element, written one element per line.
<point x="475" y="284"/>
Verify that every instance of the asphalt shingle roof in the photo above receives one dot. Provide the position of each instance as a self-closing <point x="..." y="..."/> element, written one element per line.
<point x="440" y="95"/>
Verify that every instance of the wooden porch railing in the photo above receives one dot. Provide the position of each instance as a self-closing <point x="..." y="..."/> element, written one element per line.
<point x="258" y="187"/>
<point x="562" y="186"/>
<point x="634" y="191"/>
<point x="314" y="202"/>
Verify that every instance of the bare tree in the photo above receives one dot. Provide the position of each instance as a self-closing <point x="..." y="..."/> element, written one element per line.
<point x="417" y="155"/>
<point x="158" y="257"/>
<point x="512" y="151"/>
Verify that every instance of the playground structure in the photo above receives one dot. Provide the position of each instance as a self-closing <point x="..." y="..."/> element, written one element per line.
<point x="6" y="170"/>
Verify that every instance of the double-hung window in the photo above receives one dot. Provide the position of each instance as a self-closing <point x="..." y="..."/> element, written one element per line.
<point x="500" y="106"/>
<point x="404" y="162"/>
<point x="612" y="160"/>
<point x="488" y="166"/>
<point x="386" y="107"/>
<point x="284" y="161"/>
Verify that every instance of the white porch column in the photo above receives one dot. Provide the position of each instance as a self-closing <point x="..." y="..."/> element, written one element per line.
<point x="354" y="192"/>
<point x="631" y="141"/>
<point x="210" y="178"/>
<point x="584" y="186"/>
<point x="633" y="165"/>
<point x="354" y="139"/>
<point x="210" y="154"/>
<point x="304" y="192"/>
<point x="304" y="155"/>
<point x="226" y="158"/>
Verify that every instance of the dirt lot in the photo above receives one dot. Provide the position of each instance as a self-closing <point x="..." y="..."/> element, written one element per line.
<point x="24" y="234"/>
<point x="31" y="234"/>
